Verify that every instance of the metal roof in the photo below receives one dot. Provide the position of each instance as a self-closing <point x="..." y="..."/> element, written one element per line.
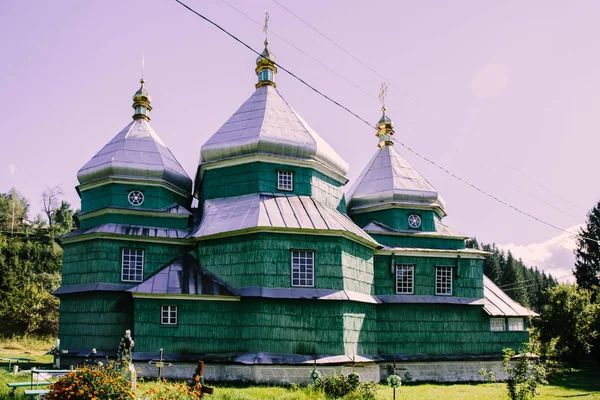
<point x="266" y="124"/>
<point x="133" y="230"/>
<point x="184" y="276"/>
<point x="92" y="287"/>
<point x="136" y="152"/>
<point x="441" y="230"/>
<point x="497" y="303"/>
<point x="273" y="210"/>
<point x="389" y="179"/>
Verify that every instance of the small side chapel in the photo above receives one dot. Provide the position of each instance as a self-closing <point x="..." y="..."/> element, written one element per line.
<point x="278" y="267"/>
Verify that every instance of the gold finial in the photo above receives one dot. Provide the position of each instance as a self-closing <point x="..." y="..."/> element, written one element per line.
<point x="142" y="67"/>
<point x="266" y="28"/>
<point x="385" y="126"/>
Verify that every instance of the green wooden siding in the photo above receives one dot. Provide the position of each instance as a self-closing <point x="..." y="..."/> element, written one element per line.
<point x="467" y="278"/>
<point x="258" y="325"/>
<point x="419" y="242"/>
<point x="99" y="260"/>
<point x="264" y="260"/>
<point x="437" y="329"/>
<point x="262" y="177"/>
<point x="115" y="195"/>
<point x="163" y="220"/>
<point x="94" y="320"/>
<point x="396" y="218"/>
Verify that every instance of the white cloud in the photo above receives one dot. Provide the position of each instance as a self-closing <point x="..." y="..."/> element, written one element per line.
<point x="554" y="256"/>
<point x="12" y="168"/>
<point x="489" y="81"/>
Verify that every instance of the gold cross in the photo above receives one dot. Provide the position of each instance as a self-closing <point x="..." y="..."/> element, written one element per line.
<point x="383" y="93"/>
<point x="266" y="26"/>
<point x="142" y="65"/>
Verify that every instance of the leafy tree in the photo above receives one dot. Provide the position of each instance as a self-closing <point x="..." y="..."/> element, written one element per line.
<point x="569" y="318"/>
<point x="587" y="253"/>
<point x="63" y="218"/>
<point x="524" y="374"/>
<point x="13" y="211"/>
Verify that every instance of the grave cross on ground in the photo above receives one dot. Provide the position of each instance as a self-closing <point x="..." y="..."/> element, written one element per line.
<point x="199" y="378"/>
<point x="160" y="364"/>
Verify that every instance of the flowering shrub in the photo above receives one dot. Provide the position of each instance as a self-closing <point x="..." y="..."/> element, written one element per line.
<point x="92" y="383"/>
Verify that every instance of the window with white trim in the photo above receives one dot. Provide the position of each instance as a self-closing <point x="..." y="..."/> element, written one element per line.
<point x="168" y="315"/>
<point x="516" y="324"/>
<point x="405" y="279"/>
<point x="497" y="324"/>
<point x="285" y="180"/>
<point x="303" y="268"/>
<point x="132" y="265"/>
<point x="443" y="281"/>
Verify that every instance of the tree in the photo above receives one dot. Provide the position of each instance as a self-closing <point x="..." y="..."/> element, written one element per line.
<point x="513" y="282"/>
<point x="13" y="211"/>
<point x="587" y="252"/>
<point x="63" y="218"/>
<point x="569" y="318"/>
<point x="50" y="202"/>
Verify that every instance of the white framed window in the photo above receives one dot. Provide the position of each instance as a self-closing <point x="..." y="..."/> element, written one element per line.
<point x="303" y="268"/>
<point x="405" y="279"/>
<point x="516" y="324"/>
<point x="497" y="324"/>
<point x="168" y="315"/>
<point x="285" y="180"/>
<point x="443" y="281"/>
<point x="132" y="265"/>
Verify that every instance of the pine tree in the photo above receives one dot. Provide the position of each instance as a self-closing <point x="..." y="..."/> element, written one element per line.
<point x="587" y="253"/>
<point x="512" y="280"/>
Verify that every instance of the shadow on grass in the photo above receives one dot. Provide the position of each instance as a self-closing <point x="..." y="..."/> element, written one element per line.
<point x="586" y="379"/>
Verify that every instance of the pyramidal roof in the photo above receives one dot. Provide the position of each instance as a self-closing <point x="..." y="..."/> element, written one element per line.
<point x="137" y="152"/>
<point x="266" y="125"/>
<point x="389" y="179"/>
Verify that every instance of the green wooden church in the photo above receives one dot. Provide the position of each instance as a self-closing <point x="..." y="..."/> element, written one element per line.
<point x="280" y="265"/>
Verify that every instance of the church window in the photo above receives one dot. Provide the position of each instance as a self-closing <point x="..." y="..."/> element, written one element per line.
<point x="443" y="281"/>
<point x="285" y="180"/>
<point x="516" y="324"/>
<point x="497" y="324"/>
<point x="168" y="315"/>
<point x="303" y="268"/>
<point x="132" y="265"/>
<point x="405" y="279"/>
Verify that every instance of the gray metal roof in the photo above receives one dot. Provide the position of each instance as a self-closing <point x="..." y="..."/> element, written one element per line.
<point x="266" y="124"/>
<point x="412" y="299"/>
<point x="273" y="210"/>
<point x="133" y="230"/>
<point x="136" y="152"/>
<point x="184" y="276"/>
<point x="498" y="303"/>
<point x="389" y="179"/>
<point x="92" y="287"/>
<point x="440" y="230"/>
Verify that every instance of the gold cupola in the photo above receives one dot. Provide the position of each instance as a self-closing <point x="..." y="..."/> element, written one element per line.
<point x="141" y="103"/>
<point x="385" y="130"/>
<point x="265" y="68"/>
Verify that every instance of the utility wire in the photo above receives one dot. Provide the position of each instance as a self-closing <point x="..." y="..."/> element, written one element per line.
<point x="408" y="95"/>
<point x="300" y="50"/>
<point x="372" y="127"/>
<point x="531" y="280"/>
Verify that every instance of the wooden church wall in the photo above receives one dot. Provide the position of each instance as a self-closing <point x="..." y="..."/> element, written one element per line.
<point x="94" y="320"/>
<point x="258" y="325"/>
<point x="99" y="260"/>
<point x="422" y="242"/>
<point x="264" y="260"/>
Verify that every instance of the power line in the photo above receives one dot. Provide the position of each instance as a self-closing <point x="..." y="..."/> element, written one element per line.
<point x="408" y="95"/>
<point x="531" y="280"/>
<point x="372" y="127"/>
<point x="300" y="50"/>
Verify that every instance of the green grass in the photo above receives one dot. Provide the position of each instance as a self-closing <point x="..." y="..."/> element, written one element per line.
<point x="583" y="383"/>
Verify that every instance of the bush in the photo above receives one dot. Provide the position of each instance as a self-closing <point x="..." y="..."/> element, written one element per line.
<point x="99" y="383"/>
<point x="339" y="386"/>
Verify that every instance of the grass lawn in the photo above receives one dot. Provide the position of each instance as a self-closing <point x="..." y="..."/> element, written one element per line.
<point x="584" y="383"/>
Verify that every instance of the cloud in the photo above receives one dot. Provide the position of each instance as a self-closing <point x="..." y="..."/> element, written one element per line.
<point x="12" y="168"/>
<point x="490" y="81"/>
<point x="554" y="256"/>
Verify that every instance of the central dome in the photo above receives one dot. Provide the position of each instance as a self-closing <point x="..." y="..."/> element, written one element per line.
<point x="266" y="125"/>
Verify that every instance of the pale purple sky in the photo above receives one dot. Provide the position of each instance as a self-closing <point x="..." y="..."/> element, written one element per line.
<point x="515" y="80"/>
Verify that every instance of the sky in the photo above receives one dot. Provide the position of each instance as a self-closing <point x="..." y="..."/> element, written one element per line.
<point x="504" y="95"/>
